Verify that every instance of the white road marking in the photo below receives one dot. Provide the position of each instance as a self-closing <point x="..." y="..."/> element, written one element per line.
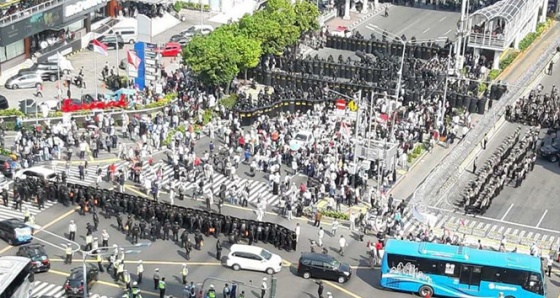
<point x="542" y="217"/>
<point x="445" y="34"/>
<point x="505" y="214"/>
<point x="442" y="19"/>
<point x="426" y="30"/>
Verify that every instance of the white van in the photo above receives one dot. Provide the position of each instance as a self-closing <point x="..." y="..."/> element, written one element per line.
<point x="255" y="258"/>
<point x="128" y="34"/>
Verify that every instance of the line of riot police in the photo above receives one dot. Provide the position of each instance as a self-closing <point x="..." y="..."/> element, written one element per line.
<point x="510" y="163"/>
<point x="142" y="218"/>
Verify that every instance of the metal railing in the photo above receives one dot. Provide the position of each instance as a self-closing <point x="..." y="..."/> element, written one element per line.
<point x="486" y="40"/>
<point x="28" y="12"/>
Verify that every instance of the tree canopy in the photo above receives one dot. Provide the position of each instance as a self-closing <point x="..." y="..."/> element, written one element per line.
<point x="218" y="57"/>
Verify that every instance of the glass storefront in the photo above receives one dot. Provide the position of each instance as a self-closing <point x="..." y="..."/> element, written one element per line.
<point x="12" y="50"/>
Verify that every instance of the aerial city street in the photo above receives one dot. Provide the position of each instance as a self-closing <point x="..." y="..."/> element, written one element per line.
<point x="277" y="148"/>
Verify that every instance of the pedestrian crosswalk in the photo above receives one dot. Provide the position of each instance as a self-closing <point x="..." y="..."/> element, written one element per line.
<point x="10" y="212"/>
<point x="258" y="189"/>
<point x="90" y="177"/>
<point x="41" y="288"/>
<point x="471" y="226"/>
<point x="46" y="289"/>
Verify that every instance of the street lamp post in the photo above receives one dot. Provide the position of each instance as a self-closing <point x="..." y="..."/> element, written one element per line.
<point x="129" y="249"/>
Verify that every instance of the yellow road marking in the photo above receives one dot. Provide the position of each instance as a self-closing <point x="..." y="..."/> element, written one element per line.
<point x="345" y="291"/>
<point x="134" y="190"/>
<point x="5" y="249"/>
<point x="101" y="282"/>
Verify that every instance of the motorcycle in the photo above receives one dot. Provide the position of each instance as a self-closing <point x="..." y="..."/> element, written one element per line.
<point x="79" y="81"/>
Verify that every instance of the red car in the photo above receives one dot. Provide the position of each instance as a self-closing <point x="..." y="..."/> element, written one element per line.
<point x="171" y="49"/>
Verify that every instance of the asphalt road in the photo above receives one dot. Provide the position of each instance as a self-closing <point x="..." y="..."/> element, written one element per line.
<point x="421" y="23"/>
<point x="203" y="263"/>
<point x="531" y="204"/>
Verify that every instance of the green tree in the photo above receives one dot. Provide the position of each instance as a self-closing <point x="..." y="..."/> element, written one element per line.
<point x="213" y="58"/>
<point x="250" y="52"/>
<point x="307" y="15"/>
<point x="217" y="58"/>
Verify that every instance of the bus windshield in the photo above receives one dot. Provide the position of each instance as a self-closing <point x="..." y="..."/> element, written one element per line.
<point x="16" y="277"/>
<point x="451" y="271"/>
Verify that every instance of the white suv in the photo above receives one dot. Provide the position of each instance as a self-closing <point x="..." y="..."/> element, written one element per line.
<point x="253" y="258"/>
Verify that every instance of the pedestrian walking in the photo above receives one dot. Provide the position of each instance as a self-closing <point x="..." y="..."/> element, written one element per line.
<point x="226" y="291"/>
<point x="550" y="68"/>
<point x="139" y="271"/>
<point x="474" y="165"/>
<point x="321" y="234"/>
<point x="334" y="227"/>
<point x="161" y="286"/>
<point x="264" y="287"/>
<point x="549" y="265"/>
<point x="184" y="273"/>
<point x="39" y="90"/>
<point x="68" y="251"/>
<point x="156" y="279"/>
<point x="386" y="12"/>
<point x="72" y="228"/>
<point x="342" y="244"/>
<point x="320" y="289"/>
<point x="218" y="250"/>
<point x="99" y="263"/>
<point x="298" y="232"/>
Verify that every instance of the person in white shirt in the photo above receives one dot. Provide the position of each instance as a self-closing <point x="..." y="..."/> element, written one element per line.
<point x="342" y="244"/>
<point x="298" y="232"/>
<point x="334" y="226"/>
<point x="321" y="235"/>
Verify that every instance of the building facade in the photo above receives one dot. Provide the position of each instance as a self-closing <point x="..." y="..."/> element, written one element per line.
<point x="49" y="27"/>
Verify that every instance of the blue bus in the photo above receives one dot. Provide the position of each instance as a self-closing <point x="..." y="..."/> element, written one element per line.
<point x="457" y="271"/>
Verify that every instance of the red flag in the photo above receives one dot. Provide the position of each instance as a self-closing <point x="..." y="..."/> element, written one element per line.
<point x="133" y="59"/>
<point x="100" y="47"/>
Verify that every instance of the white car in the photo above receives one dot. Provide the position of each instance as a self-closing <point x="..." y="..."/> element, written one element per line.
<point x="39" y="172"/>
<point x="301" y="139"/>
<point x="249" y="257"/>
<point x="197" y="29"/>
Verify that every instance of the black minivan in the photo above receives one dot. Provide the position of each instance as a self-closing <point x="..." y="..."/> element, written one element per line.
<point x="323" y="266"/>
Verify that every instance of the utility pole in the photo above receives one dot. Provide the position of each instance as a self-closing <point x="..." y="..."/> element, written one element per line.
<point x="461" y="34"/>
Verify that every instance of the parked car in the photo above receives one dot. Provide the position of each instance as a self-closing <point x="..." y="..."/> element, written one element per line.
<point x="4" y="103"/>
<point x="550" y="151"/>
<point x="48" y="71"/>
<point x="255" y="258"/>
<point x="180" y="39"/>
<point x="171" y="49"/>
<point x="39" y="172"/>
<point x="15" y="232"/>
<point x="38" y="255"/>
<point x="323" y="266"/>
<point x="197" y="29"/>
<point x="111" y="41"/>
<point x="74" y="285"/>
<point x="30" y="80"/>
